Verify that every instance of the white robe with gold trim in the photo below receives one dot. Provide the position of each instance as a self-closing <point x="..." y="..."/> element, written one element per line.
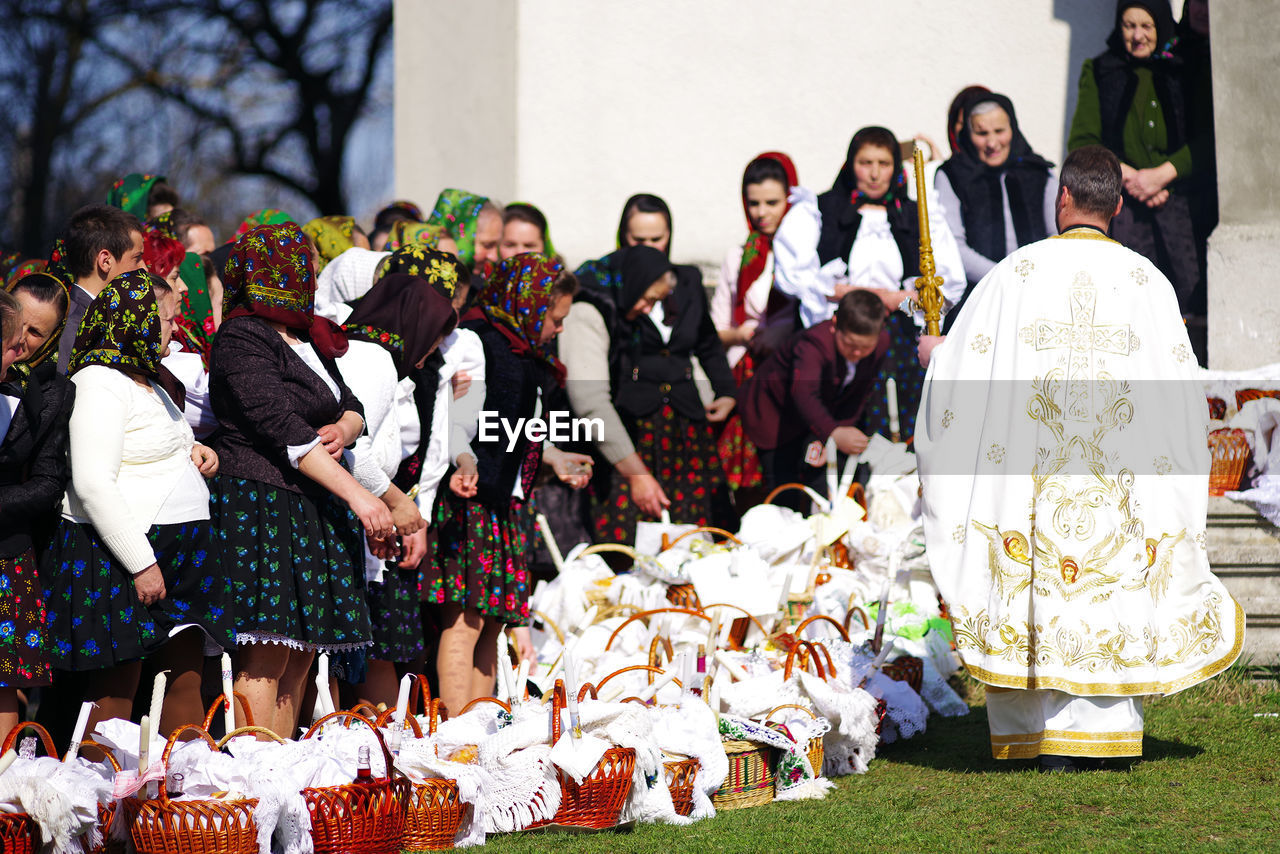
<point x="1062" y="450"/>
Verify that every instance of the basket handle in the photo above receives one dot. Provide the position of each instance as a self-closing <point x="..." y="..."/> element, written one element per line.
<point x="631" y="668"/>
<point x="848" y="617"/>
<point x="478" y="700"/>
<point x="858" y="493"/>
<point x="552" y="623"/>
<point x="12" y="738"/>
<point x="844" y="634"/>
<point x="778" y="490"/>
<point x="587" y="690"/>
<point x="249" y="730"/>
<point x="752" y="617"/>
<point x="359" y="710"/>
<point x="601" y="548"/>
<point x="349" y="716"/>
<point x="640" y="615"/>
<point x="667" y="542"/>
<point x="658" y="645"/>
<point x="217" y="704"/>
<point x="810" y="654"/>
<point x="424" y="690"/>
<point x="384" y="720"/>
<point x="106" y="751"/>
<point x="768" y="717"/>
<point x="168" y="749"/>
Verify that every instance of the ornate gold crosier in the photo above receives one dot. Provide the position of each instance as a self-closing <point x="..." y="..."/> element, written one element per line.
<point x="929" y="285"/>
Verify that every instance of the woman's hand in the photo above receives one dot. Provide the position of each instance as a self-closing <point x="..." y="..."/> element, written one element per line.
<point x="924" y="350"/>
<point x="525" y="652"/>
<point x="149" y="585"/>
<point x="461" y="383"/>
<point x="719" y="409"/>
<point x="406" y="516"/>
<point x="373" y="514"/>
<point x="1145" y="184"/>
<point x="647" y="494"/>
<point x="413" y="549"/>
<point x="205" y="458"/>
<point x="383" y="548"/>
<point x="465" y="478"/>
<point x="743" y="333"/>
<point x="849" y="440"/>
<point x="1158" y="199"/>
<point x="573" y="470"/>
<point x="332" y="439"/>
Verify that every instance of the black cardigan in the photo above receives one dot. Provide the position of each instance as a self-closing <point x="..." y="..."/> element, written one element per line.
<point x="33" y="461"/>
<point x="266" y="399"/>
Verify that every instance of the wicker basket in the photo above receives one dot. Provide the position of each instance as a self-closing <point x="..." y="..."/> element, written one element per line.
<point x="814" y="749"/>
<point x="739" y="627"/>
<point x="598" y="802"/>
<point x="1229" y="452"/>
<point x="18" y="831"/>
<point x="1245" y="395"/>
<point x="683" y="596"/>
<point x="106" y="812"/>
<point x="906" y="668"/>
<point x="212" y="714"/>
<point x="435" y="809"/>
<point x="751" y="777"/>
<point x="681" y="773"/>
<point x="354" y="819"/>
<point x="162" y="826"/>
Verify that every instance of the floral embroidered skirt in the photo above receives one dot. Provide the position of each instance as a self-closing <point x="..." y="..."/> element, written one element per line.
<point x="395" y="611"/>
<point x="901" y="363"/>
<point x="296" y="565"/>
<point x="24" y="657"/>
<point x="95" y="617"/>
<point x="738" y="456"/>
<point x="681" y="453"/>
<point x="480" y="559"/>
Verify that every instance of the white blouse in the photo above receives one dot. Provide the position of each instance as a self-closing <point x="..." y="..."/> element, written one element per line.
<point x="389" y="413"/>
<point x="454" y="423"/>
<point x="131" y="468"/>
<point x="727" y="291"/>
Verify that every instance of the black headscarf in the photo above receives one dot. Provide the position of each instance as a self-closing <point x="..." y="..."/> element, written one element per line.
<point x="627" y="274"/>
<point x="839" y="205"/>
<point x="405" y="315"/>
<point x="978" y="187"/>
<point x="1115" y="73"/>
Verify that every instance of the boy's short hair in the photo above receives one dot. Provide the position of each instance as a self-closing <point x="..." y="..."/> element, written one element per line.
<point x="94" y="228"/>
<point x="162" y="194"/>
<point x="860" y="313"/>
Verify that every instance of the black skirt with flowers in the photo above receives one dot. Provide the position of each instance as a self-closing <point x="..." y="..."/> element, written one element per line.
<point x="24" y="658"/>
<point x="682" y="454"/>
<point x="480" y="560"/>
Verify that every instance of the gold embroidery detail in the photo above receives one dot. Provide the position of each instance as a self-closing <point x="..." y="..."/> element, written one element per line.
<point x="1182" y="353"/>
<point x="1024" y="268"/>
<point x="1158" y="571"/>
<point x="980" y="344"/>
<point x="1162" y="465"/>
<point x="1202" y="540"/>
<point x="1008" y="559"/>
<point x="1083" y="234"/>
<point x="959" y="534"/>
<point x="995" y="454"/>
<point x="947" y="417"/>
<point x="1139" y="276"/>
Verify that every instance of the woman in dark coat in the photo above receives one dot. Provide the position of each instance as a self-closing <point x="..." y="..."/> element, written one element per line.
<point x="33" y="476"/>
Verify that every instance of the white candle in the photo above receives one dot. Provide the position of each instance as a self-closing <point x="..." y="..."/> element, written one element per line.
<point x="714" y="700"/>
<point x="324" y="698"/>
<point x="735" y="670"/>
<point x="522" y="679"/>
<point x="588" y="618"/>
<point x="662" y="681"/>
<point x="557" y="559"/>
<point x="157" y="700"/>
<point x="571" y="689"/>
<point x="666" y="517"/>
<point x="504" y="665"/>
<point x="228" y="692"/>
<point x="77" y="735"/>
<point x="713" y="632"/>
<point x="785" y="597"/>
<point x="832" y="479"/>
<point x="144" y="744"/>
<point x="613" y="692"/>
<point x="8" y="759"/>
<point x="402" y="701"/>
<point x="891" y="393"/>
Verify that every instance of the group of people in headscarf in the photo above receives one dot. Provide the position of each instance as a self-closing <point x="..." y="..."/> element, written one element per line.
<point x="273" y="447"/>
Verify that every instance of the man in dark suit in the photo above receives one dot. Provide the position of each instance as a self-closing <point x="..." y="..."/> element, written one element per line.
<point x="813" y="388"/>
<point x="102" y="243"/>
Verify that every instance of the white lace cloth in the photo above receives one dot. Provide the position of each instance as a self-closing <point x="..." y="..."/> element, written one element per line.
<point x="61" y="798"/>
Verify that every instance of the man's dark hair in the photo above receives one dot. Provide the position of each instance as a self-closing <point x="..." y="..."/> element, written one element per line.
<point x="860" y="313"/>
<point x="161" y="194"/>
<point x="183" y="221"/>
<point x="94" y="228"/>
<point x="1092" y="175"/>
<point x="389" y="216"/>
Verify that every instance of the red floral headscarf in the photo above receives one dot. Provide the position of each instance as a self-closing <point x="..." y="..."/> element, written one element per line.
<point x="755" y="252"/>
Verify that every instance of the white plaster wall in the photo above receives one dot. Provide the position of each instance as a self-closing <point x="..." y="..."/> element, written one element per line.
<point x="676" y="96"/>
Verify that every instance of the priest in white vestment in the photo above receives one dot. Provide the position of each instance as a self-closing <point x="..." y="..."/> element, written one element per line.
<point x="1062" y="451"/>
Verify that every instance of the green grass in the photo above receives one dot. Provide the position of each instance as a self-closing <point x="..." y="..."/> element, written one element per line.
<point x="1208" y="780"/>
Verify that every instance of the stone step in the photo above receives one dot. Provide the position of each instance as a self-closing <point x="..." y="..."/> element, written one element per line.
<point x="1244" y="551"/>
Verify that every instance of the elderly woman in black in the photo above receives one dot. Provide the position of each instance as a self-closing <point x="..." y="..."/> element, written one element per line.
<point x="284" y="503"/>
<point x="627" y="347"/>
<point x="33" y="475"/>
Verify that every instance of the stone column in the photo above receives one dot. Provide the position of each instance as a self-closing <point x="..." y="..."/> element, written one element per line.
<point x="1244" y="250"/>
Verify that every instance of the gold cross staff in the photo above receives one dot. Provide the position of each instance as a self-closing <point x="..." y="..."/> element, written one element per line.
<point x="929" y="285"/>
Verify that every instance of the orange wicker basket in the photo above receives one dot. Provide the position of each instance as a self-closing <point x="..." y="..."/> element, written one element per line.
<point x="162" y="826"/>
<point x="435" y="809"/>
<point x="598" y="801"/>
<point x="358" y="819"/>
<point x="1245" y="395"/>
<point x="1229" y="452"/>
<point x="906" y="668"/>
<point x="211" y="715"/>
<point x="18" y="832"/>
<point x="106" y="812"/>
<point x="681" y="775"/>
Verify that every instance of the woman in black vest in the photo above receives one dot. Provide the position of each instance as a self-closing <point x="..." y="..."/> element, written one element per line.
<point x="996" y="192"/>
<point x="633" y="333"/>
<point x="872" y="228"/>
<point x="479" y="573"/>
<point x="1134" y="100"/>
<point x="33" y="476"/>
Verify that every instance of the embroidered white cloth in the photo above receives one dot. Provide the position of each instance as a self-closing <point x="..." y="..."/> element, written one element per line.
<point x="62" y="799"/>
<point x="1061" y="443"/>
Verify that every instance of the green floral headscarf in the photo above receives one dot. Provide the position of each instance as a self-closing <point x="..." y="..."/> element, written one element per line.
<point x="404" y="233"/>
<point x="458" y="211"/>
<point x="332" y="235"/>
<point x="131" y="193"/>
<point x="266" y="216"/>
<point x="121" y="327"/>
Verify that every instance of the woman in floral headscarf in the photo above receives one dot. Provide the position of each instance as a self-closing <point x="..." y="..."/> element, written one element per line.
<point x="284" y="504"/>
<point x="132" y="569"/>
<point x="333" y="235"/>
<point x="393" y="331"/>
<point x="474" y="223"/>
<point x="479" y="573"/>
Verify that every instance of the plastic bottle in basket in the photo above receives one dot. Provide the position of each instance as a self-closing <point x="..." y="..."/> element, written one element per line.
<point x="364" y="776"/>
